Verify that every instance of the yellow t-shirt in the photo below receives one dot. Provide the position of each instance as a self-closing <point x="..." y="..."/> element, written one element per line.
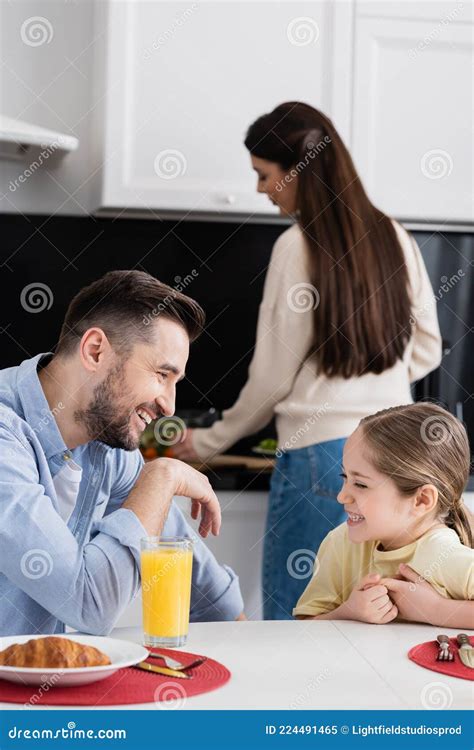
<point x="438" y="556"/>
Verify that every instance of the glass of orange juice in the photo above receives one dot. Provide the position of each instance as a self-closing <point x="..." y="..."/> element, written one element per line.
<point x="166" y="568"/>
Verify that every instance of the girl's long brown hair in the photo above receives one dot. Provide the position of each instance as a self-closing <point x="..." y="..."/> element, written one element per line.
<point x="362" y="322"/>
<point x="421" y="444"/>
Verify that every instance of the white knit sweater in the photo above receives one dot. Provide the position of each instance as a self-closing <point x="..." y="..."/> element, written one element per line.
<point x="310" y="407"/>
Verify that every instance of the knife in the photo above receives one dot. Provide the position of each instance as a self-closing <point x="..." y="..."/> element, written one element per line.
<point x="466" y="651"/>
<point x="162" y="670"/>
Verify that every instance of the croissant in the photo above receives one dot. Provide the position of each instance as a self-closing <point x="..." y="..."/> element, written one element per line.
<point x="52" y="652"/>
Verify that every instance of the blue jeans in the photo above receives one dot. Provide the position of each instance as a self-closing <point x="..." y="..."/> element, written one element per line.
<point x="303" y="509"/>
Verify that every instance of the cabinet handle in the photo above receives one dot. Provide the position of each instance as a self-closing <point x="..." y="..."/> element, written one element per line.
<point x="229" y="199"/>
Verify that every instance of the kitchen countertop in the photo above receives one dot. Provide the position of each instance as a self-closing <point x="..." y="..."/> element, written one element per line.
<point x="315" y="665"/>
<point x="237" y="472"/>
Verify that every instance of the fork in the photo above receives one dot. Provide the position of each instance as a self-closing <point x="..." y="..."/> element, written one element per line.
<point x="444" y="651"/>
<point x="173" y="664"/>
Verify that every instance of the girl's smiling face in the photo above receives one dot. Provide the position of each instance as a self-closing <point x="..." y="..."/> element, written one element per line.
<point x="375" y="507"/>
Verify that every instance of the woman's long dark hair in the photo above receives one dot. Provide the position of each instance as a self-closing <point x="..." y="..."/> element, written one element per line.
<point x="362" y="322"/>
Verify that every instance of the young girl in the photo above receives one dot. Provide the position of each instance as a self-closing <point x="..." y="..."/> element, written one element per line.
<point x="404" y="471"/>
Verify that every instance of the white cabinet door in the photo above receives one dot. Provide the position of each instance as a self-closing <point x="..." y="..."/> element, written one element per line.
<point x="438" y="11"/>
<point x="412" y="116"/>
<point x="239" y="544"/>
<point x="185" y="80"/>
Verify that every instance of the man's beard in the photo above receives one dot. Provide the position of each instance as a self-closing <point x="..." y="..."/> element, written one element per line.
<point x="101" y="419"/>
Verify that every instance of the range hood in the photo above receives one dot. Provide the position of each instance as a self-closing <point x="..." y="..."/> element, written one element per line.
<point x="19" y="139"/>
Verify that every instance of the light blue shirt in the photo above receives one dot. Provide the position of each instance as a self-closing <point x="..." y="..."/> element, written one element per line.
<point x="82" y="573"/>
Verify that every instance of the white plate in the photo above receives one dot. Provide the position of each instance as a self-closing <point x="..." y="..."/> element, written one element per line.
<point x="120" y="653"/>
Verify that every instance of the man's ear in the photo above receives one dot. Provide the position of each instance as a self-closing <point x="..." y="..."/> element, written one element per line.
<point x="94" y="349"/>
<point x="426" y="498"/>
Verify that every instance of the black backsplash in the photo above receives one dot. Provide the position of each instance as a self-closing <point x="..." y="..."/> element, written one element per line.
<point x="228" y="262"/>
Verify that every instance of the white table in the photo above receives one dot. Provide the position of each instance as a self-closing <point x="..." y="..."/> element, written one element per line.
<point x="316" y="665"/>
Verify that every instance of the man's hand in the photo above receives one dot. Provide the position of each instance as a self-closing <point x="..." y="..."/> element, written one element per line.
<point x="159" y="481"/>
<point x="184" y="450"/>
<point x="191" y="483"/>
<point x="369" y="602"/>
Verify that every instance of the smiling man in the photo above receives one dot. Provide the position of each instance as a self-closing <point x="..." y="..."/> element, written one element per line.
<point x="75" y="495"/>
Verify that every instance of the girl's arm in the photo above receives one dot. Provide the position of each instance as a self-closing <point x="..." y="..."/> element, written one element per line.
<point x="452" y="613"/>
<point x="368" y="602"/>
<point x="340" y="613"/>
<point x="418" y="601"/>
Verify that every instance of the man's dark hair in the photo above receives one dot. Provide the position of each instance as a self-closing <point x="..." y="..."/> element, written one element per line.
<point x="124" y="304"/>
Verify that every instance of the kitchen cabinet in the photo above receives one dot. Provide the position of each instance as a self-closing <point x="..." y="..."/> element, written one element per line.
<point x="183" y="81"/>
<point x="440" y="11"/>
<point x="178" y="85"/>
<point x="412" y="111"/>
<point x="240" y="542"/>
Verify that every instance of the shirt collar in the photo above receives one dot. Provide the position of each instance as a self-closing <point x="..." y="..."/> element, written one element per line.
<point x="36" y="408"/>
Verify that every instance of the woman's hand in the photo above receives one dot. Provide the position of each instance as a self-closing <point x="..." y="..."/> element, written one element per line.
<point x="369" y="602"/>
<point x="418" y="601"/>
<point x="184" y="450"/>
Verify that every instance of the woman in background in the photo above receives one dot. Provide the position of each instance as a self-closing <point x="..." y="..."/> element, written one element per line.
<point x="347" y="321"/>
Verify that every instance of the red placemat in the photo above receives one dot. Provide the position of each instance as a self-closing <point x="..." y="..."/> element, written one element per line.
<point x="425" y="655"/>
<point x="126" y="686"/>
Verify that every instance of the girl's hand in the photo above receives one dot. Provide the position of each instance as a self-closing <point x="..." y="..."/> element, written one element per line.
<point x="415" y="598"/>
<point x="370" y="602"/>
<point x="184" y="450"/>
